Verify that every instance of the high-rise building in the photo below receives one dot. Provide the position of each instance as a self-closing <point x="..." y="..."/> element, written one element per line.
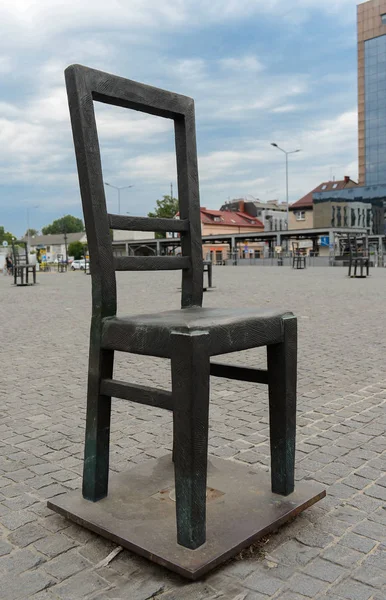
<point x="372" y="92"/>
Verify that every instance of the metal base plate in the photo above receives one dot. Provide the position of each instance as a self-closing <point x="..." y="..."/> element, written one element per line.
<point x="139" y="512"/>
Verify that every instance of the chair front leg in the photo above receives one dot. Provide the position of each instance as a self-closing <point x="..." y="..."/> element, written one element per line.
<point x="190" y="388"/>
<point x="96" y="451"/>
<point x="282" y="376"/>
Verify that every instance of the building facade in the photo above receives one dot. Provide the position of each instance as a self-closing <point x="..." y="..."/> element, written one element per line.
<point x="272" y="214"/>
<point x="302" y="214"/>
<point x="371" y="19"/>
<point x="53" y="245"/>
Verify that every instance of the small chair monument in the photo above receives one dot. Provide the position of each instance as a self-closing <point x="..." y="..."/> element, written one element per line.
<point x="359" y="259"/>
<point x="22" y="269"/>
<point x="298" y="256"/>
<point x="191" y="514"/>
<point x="62" y="264"/>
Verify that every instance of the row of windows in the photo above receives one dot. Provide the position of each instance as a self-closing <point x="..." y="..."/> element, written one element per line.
<point x="375" y="113"/>
<point x="350" y="217"/>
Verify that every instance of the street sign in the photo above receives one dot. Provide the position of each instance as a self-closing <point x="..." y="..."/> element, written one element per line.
<point x="5" y="244"/>
<point x="324" y="240"/>
<point x="44" y="257"/>
<point x="246" y="248"/>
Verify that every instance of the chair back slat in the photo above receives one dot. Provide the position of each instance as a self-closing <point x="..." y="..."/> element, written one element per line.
<point x="147" y="223"/>
<point x="151" y="263"/>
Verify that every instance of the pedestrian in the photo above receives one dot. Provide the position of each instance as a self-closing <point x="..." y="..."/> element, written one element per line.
<point x="9" y="264"/>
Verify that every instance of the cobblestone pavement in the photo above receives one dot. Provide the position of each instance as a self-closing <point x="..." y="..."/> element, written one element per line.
<point x="333" y="551"/>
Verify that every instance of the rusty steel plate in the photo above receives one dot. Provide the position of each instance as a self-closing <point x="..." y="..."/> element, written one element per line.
<point x="139" y="512"/>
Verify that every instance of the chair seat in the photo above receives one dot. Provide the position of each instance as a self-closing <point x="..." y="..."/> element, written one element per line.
<point x="229" y="329"/>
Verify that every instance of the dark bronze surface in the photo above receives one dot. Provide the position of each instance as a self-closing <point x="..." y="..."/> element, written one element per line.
<point x="139" y="515"/>
<point x="189" y="337"/>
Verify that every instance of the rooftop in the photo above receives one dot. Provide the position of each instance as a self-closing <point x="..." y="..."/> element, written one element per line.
<point x="54" y="238"/>
<point x="225" y="217"/>
<point x="326" y="186"/>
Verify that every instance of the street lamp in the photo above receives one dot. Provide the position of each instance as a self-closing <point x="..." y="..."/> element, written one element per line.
<point x="28" y="228"/>
<point x="286" y="152"/>
<point x="125" y="187"/>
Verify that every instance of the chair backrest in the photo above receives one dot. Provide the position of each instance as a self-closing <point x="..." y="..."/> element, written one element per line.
<point x="84" y="86"/>
<point x="20" y="253"/>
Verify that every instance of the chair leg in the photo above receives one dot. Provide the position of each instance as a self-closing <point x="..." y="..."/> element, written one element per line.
<point x="282" y="375"/>
<point x="96" y="452"/>
<point x="190" y="388"/>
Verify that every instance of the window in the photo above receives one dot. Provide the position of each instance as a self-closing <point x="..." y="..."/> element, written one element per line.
<point x="383" y="17"/>
<point x="324" y="187"/>
<point x="334" y="186"/>
<point x="217" y="219"/>
<point x="300" y="215"/>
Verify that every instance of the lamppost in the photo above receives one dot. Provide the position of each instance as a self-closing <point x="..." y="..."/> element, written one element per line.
<point x="286" y="152"/>
<point x="28" y="231"/>
<point x="125" y="187"/>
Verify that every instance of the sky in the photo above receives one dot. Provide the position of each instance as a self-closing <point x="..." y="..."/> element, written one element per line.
<point x="260" y="71"/>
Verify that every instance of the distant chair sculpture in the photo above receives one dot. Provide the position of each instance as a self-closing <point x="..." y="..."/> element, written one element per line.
<point x="62" y="264"/>
<point x="188" y="337"/>
<point x="208" y="268"/>
<point x="298" y="258"/>
<point x="22" y="268"/>
<point x="359" y="260"/>
<point x="86" y="255"/>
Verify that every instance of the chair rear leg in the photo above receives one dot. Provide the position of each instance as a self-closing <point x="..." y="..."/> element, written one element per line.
<point x="282" y="376"/>
<point x="96" y="452"/>
<point x="190" y="387"/>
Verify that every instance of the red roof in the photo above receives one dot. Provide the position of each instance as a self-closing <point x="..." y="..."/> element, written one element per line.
<point x="326" y="186"/>
<point x="227" y="217"/>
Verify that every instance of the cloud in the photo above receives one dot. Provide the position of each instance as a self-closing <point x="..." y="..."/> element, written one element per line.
<point x="248" y="91"/>
<point x="245" y="63"/>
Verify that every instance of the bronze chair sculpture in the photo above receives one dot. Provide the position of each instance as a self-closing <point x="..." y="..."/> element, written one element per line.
<point x="21" y="265"/>
<point x="298" y="258"/>
<point x="189" y="336"/>
<point x="359" y="257"/>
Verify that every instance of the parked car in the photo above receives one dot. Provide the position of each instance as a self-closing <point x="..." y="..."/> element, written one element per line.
<point x="77" y="265"/>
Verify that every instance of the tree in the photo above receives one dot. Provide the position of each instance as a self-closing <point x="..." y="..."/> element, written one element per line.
<point x="31" y="232"/>
<point x="167" y="208"/>
<point x="5" y="236"/>
<point x="76" y="250"/>
<point x="68" y="224"/>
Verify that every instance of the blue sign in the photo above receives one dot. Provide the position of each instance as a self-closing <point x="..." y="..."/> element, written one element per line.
<point x="325" y="240"/>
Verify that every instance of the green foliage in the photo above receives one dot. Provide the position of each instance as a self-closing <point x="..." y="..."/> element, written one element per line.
<point x="76" y="250"/>
<point x="5" y="236"/>
<point x="68" y="224"/>
<point x="166" y="208"/>
<point x="32" y="232"/>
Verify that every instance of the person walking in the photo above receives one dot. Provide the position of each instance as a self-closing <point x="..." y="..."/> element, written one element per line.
<point x="9" y="264"/>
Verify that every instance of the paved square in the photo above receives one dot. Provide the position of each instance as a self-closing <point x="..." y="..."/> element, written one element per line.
<point x="335" y="550"/>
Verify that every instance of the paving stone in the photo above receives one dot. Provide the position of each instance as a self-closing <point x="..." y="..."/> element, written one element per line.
<point x="324" y="569"/>
<point x="311" y="536"/>
<point x="357" y="542"/>
<point x="342" y="555"/>
<point x="23" y="587"/>
<point x="354" y="590"/>
<point x="263" y="583"/>
<point x="55" y="544"/>
<point x="5" y="548"/>
<point x="305" y="585"/>
<point x="370" y="575"/>
<point x="66" y="564"/>
<point x="27" y="535"/>
<point x="81" y="585"/>
<point x="20" y="561"/>
<point x="14" y="519"/>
